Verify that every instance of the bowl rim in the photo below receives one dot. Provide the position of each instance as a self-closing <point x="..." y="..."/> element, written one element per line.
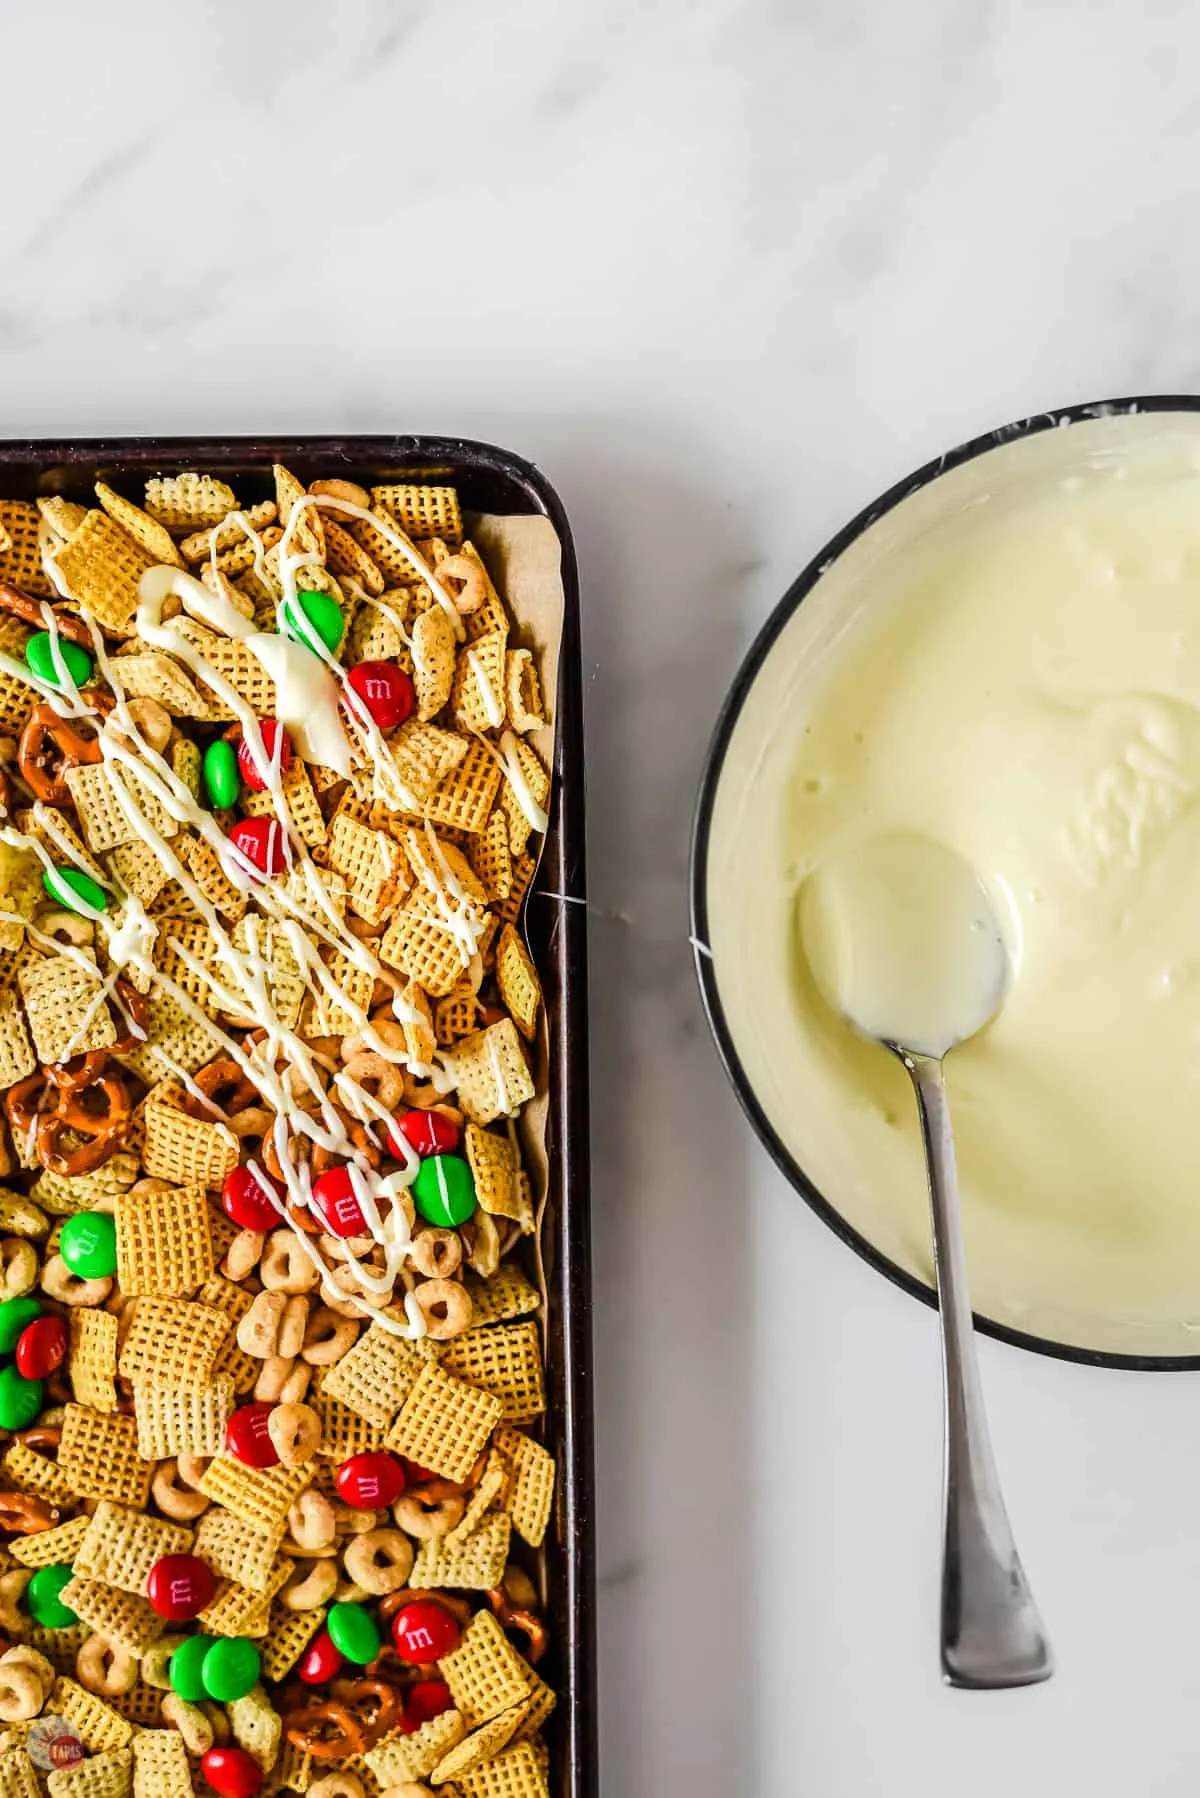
<point x="1056" y="418"/>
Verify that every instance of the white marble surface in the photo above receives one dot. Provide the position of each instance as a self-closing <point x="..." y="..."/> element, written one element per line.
<point x="725" y="270"/>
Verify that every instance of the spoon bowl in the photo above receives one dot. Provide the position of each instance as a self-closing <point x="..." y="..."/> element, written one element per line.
<point x="903" y="943"/>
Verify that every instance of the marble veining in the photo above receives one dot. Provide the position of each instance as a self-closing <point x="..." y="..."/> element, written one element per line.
<point x="725" y="268"/>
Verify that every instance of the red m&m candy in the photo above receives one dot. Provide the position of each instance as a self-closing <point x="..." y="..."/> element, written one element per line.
<point x="277" y="746"/>
<point x="370" y="1481"/>
<point x="320" y="1660"/>
<point x="247" y="1436"/>
<point x="423" y="1632"/>
<point x="385" y="690"/>
<point x="179" y="1586"/>
<point x="336" y="1204"/>
<point x="41" y="1347"/>
<point x="426" y="1700"/>
<point x="263" y="842"/>
<point x="428" y="1132"/>
<point x="232" y="1772"/>
<point x="245" y="1200"/>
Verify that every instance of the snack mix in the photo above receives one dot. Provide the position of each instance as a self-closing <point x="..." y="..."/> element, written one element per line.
<point x="271" y="1378"/>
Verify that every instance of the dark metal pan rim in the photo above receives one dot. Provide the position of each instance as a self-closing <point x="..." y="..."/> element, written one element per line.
<point x="1058" y="417"/>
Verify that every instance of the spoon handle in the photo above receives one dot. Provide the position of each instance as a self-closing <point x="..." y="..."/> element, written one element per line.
<point x="992" y="1634"/>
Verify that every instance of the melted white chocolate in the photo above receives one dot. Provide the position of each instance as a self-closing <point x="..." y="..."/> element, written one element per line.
<point x="1009" y="663"/>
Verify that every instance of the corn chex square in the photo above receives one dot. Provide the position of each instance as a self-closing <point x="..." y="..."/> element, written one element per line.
<point x="445" y="1423"/>
<point x="174" y="1039"/>
<point x="16" y="1051"/>
<point x="507" y="1294"/>
<point x="529" y="1496"/>
<point x="99" y="1727"/>
<point x="481" y="1746"/>
<point x="479" y="699"/>
<point x="164" y="1244"/>
<point x="288" y="1635"/>
<point x="92" y="1358"/>
<point x="17" y="1777"/>
<point x="160" y="1764"/>
<point x="420" y="510"/>
<point x="494" y="1166"/>
<point x="172" y="1342"/>
<point x="343" y="1431"/>
<point x="63" y="1197"/>
<point x="336" y="996"/>
<point x="237" y="1610"/>
<point x="424" y="949"/>
<point x="234" y="664"/>
<point x="129" y="1620"/>
<point x="109" y="800"/>
<point x="485" y="1674"/>
<point x="146" y="532"/>
<point x="189" y="501"/>
<point x="47" y="1547"/>
<point x="65" y="1007"/>
<point x="188" y="954"/>
<point x="187" y="1151"/>
<point x="236" y="1550"/>
<point x="495" y="1478"/>
<point x="270" y="955"/>
<point x="536" y="778"/>
<point x="30" y="1472"/>
<point x="404" y="1760"/>
<point x="137" y="869"/>
<point x="516" y="976"/>
<point x="300" y="804"/>
<point x="20" y="551"/>
<point x="141" y="1705"/>
<point x="106" y="1775"/>
<point x="98" y="1454"/>
<point x="476" y="1564"/>
<point x="515" y="1773"/>
<point x="505" y="1359"/>
<point x="370" y="862"/>
<point x="101" y="566"/>
<point x="375" y="1376"/>
<point x="262" y="1496"/>
<point x="463" y="800"/>
<point x="491" y="857"/>
<point x="182" y="1420"/>
<point x="257" y="1727"/>
<point x="204" y="866"/>
<point x="491" y="1073"/>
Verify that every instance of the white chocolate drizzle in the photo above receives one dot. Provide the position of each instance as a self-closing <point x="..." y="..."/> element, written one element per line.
<point x="284" y="1069"/>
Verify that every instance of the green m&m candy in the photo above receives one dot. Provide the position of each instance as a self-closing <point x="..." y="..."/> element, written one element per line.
<point x="183" y="1668"/>
<point x="354" y="1633"/>
<point x="444" y="1190"/>
<point x="15" y="1315"/>
<point x="220" y="771"/>
<point x="230" y="1669"/>
<point x="39" y="656"/>
<point x="20" y="1399"/>
<point x="314" y="617"/>
<point x="43" y="1597"/>
<point x="68" y="886"/>
<point x="88" y="1244"/>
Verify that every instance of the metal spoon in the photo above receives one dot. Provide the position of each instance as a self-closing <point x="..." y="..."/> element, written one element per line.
<point x="903" y="942"/>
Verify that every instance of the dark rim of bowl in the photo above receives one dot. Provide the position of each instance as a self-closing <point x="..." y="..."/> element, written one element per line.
<point x="705" y="972"/>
